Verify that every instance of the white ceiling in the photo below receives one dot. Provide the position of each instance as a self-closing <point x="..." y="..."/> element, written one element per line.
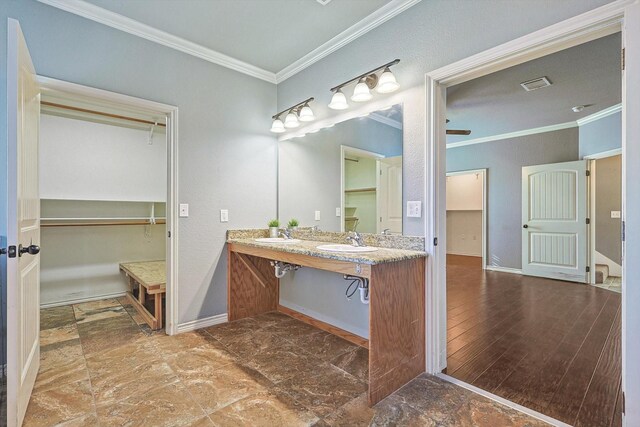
<point x="269" y="34"/>
<point x="588" y="74"/>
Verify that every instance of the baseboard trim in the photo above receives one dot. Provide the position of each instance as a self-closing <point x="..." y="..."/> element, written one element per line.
<point x="504" y="269"/>
<point x="82" y="300"/>
<point x="202" y="323"/>
<point x="353" y="338"/>
<point x="503" y="401"/>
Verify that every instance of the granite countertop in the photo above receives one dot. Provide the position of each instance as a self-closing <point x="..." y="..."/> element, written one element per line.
<point x="309" y="247"/>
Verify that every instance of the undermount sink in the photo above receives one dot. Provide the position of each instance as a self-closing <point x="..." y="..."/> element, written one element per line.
<point x="277" y="240"/>
<point x="346" y="248"/>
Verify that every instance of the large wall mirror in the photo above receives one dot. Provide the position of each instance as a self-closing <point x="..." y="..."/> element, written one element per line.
<point x="346" y="177"/>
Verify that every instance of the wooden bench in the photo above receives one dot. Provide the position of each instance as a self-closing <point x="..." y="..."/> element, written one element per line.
<point x="150" y="277"/>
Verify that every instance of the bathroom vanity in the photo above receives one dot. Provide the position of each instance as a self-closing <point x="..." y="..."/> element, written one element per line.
<point x="396" y="279"/>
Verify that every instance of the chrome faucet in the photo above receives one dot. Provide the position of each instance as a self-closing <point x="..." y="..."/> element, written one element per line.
<point x="386" y="231"/>
<point x="285" y="233"/>
<point x="355" y="238"/>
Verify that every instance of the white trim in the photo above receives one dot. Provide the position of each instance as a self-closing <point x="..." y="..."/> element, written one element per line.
<point x="131" y="26"/>
<point x="603" y="154"/>
<point x="502" y="401"/>
<point x="504" y="269"/>
<point x="485" y="202"/>
<point x="543" y="129"/>
<point x="171" y="111"/>
<point x="202" y="323"/>
<point x="377" y="18"/>
<point x="136" y="28"/>
<point x="600" y="114"/>
<point x="385" y="120"/>
<point x="82" y="300"/>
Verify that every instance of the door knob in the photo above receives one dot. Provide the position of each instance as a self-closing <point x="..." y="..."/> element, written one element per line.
<point x="31" y="250"/>
<point x="525" y="226"/>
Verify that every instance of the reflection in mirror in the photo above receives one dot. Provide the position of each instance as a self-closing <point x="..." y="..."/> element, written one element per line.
<point x="347" y="177"/>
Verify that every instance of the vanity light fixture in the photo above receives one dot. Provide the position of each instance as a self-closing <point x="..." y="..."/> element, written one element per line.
<point x="386" y="83"/>
<point x="301" y="112"/>
<point x="338" y="101"/>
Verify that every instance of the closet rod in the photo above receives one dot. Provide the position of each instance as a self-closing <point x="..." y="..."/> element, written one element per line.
<point x="100" y="113"/>
<point x="99" y="224"/>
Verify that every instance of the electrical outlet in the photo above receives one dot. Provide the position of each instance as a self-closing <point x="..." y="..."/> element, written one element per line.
<point x="337" y="211"/>
<point x="224" y="215"/>
<point x="414" y="209"/>
<point x="317" y="215"/>
<point x="184" y="210"/>
<point x="615" y="214"/>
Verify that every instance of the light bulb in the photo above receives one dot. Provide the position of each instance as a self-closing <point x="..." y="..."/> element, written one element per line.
<point x="277" y="126"/>
<point x="291" y="121"/>
<point x="361" y="92"/>
<point x="338" y="101"/>
<point x="387" y="82"/>
<point x="306" y="114"/>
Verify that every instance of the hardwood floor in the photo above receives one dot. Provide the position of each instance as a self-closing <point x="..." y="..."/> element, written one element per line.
<point x="549" y="345"/>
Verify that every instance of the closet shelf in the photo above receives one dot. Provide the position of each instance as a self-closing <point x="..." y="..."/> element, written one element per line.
<point x="98" y="222"/>
<point x="360" y="190"/>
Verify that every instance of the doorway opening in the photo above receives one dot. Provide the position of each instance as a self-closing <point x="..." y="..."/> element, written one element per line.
<point x="522" y="332"/>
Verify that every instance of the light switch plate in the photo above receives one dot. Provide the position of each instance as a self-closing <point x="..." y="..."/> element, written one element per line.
<point x="317" y="215"/>
<point x="337" y="211"/>
<point x="224" y="215"/>
<point x="184" y="210"/>
<point x="414" y="209"/>
<point x="615" y="214"/>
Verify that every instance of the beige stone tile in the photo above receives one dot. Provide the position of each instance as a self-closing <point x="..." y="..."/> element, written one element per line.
<point x="199" y="360"/>
<point x="56" y="317"/>
<point x="394" y="411"/>
<point x="293" y="328"/>
<point x="129" y="357"/>
<point x="355" y="362"/>
<point x="105" y="334"/>
<point x="355" y="413"/>
<point x="215" y="389"/>
<point x="323" y="345"/>
<point x="59" y="334"/>
<point x="231" y="330"/>
<point x="83" y="316"/>
<point x="283" y="361"/>
<point x="202" y="422"/>
<point x="171" y="344"/>
<point x="62" y="365"/>
<point x="166" y="406"/>
<point x="64" y="403"/>
<point x="265" y="409"/>
<point x="87" y="420"/>
<point x="247" y="345"/>
<point x="95" y="305"/>
<point x="126" y="384"/>
<point x="323" y="390"/>
<point x="272" y="318"/>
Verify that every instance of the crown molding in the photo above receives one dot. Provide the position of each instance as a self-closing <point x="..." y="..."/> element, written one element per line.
<point x="131" y="26"/>
<point x="600" y="114"/>
<point x="509" y="135"/>
<point x="365" y="25"/>
<point x="385" y="120"/>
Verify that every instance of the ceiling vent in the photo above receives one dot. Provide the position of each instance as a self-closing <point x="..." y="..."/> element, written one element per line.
<point x="534" y="84"/>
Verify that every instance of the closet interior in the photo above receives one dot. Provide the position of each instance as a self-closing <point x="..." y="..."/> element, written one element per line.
<point x="103" y="189"/>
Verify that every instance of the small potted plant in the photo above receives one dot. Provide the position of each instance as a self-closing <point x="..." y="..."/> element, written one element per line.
<point x="293" y="224"/>
<point x="273" y="228"/>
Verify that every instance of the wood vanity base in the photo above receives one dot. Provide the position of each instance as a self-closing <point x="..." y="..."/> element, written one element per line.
<point x="396" y="307"/>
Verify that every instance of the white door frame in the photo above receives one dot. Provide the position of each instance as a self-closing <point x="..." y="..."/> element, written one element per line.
<point x="345" y="149"/>
<point x="583" y="28"/>
<point x="592" y="206"/>
<point x="171" y="112"/>
<point x="482" y="172"/>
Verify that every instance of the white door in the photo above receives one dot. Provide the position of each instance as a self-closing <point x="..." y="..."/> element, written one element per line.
<point x="554" y="221"/>
<point x="23" y="229"/>
<point x="389" y="201"/>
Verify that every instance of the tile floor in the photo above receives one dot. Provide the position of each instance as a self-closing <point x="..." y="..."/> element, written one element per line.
<point x="101" y="366"/>
<point x="611" y="283"/>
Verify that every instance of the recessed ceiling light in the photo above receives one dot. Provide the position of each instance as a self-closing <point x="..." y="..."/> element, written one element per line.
<point x="535" y="84"/>
<point x="323" y="2"/>
<point x="577" y="108"/>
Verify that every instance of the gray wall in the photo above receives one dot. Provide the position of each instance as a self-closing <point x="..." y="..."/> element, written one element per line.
<point x="431" y="34"/>
<point x="227" y="157"/>
<point x="609" y="198"/>
<point x="309" y="168"/>
<point x="504" y="160"/>
<point x="602" y="135"/>
<point x="427" y="36"/>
